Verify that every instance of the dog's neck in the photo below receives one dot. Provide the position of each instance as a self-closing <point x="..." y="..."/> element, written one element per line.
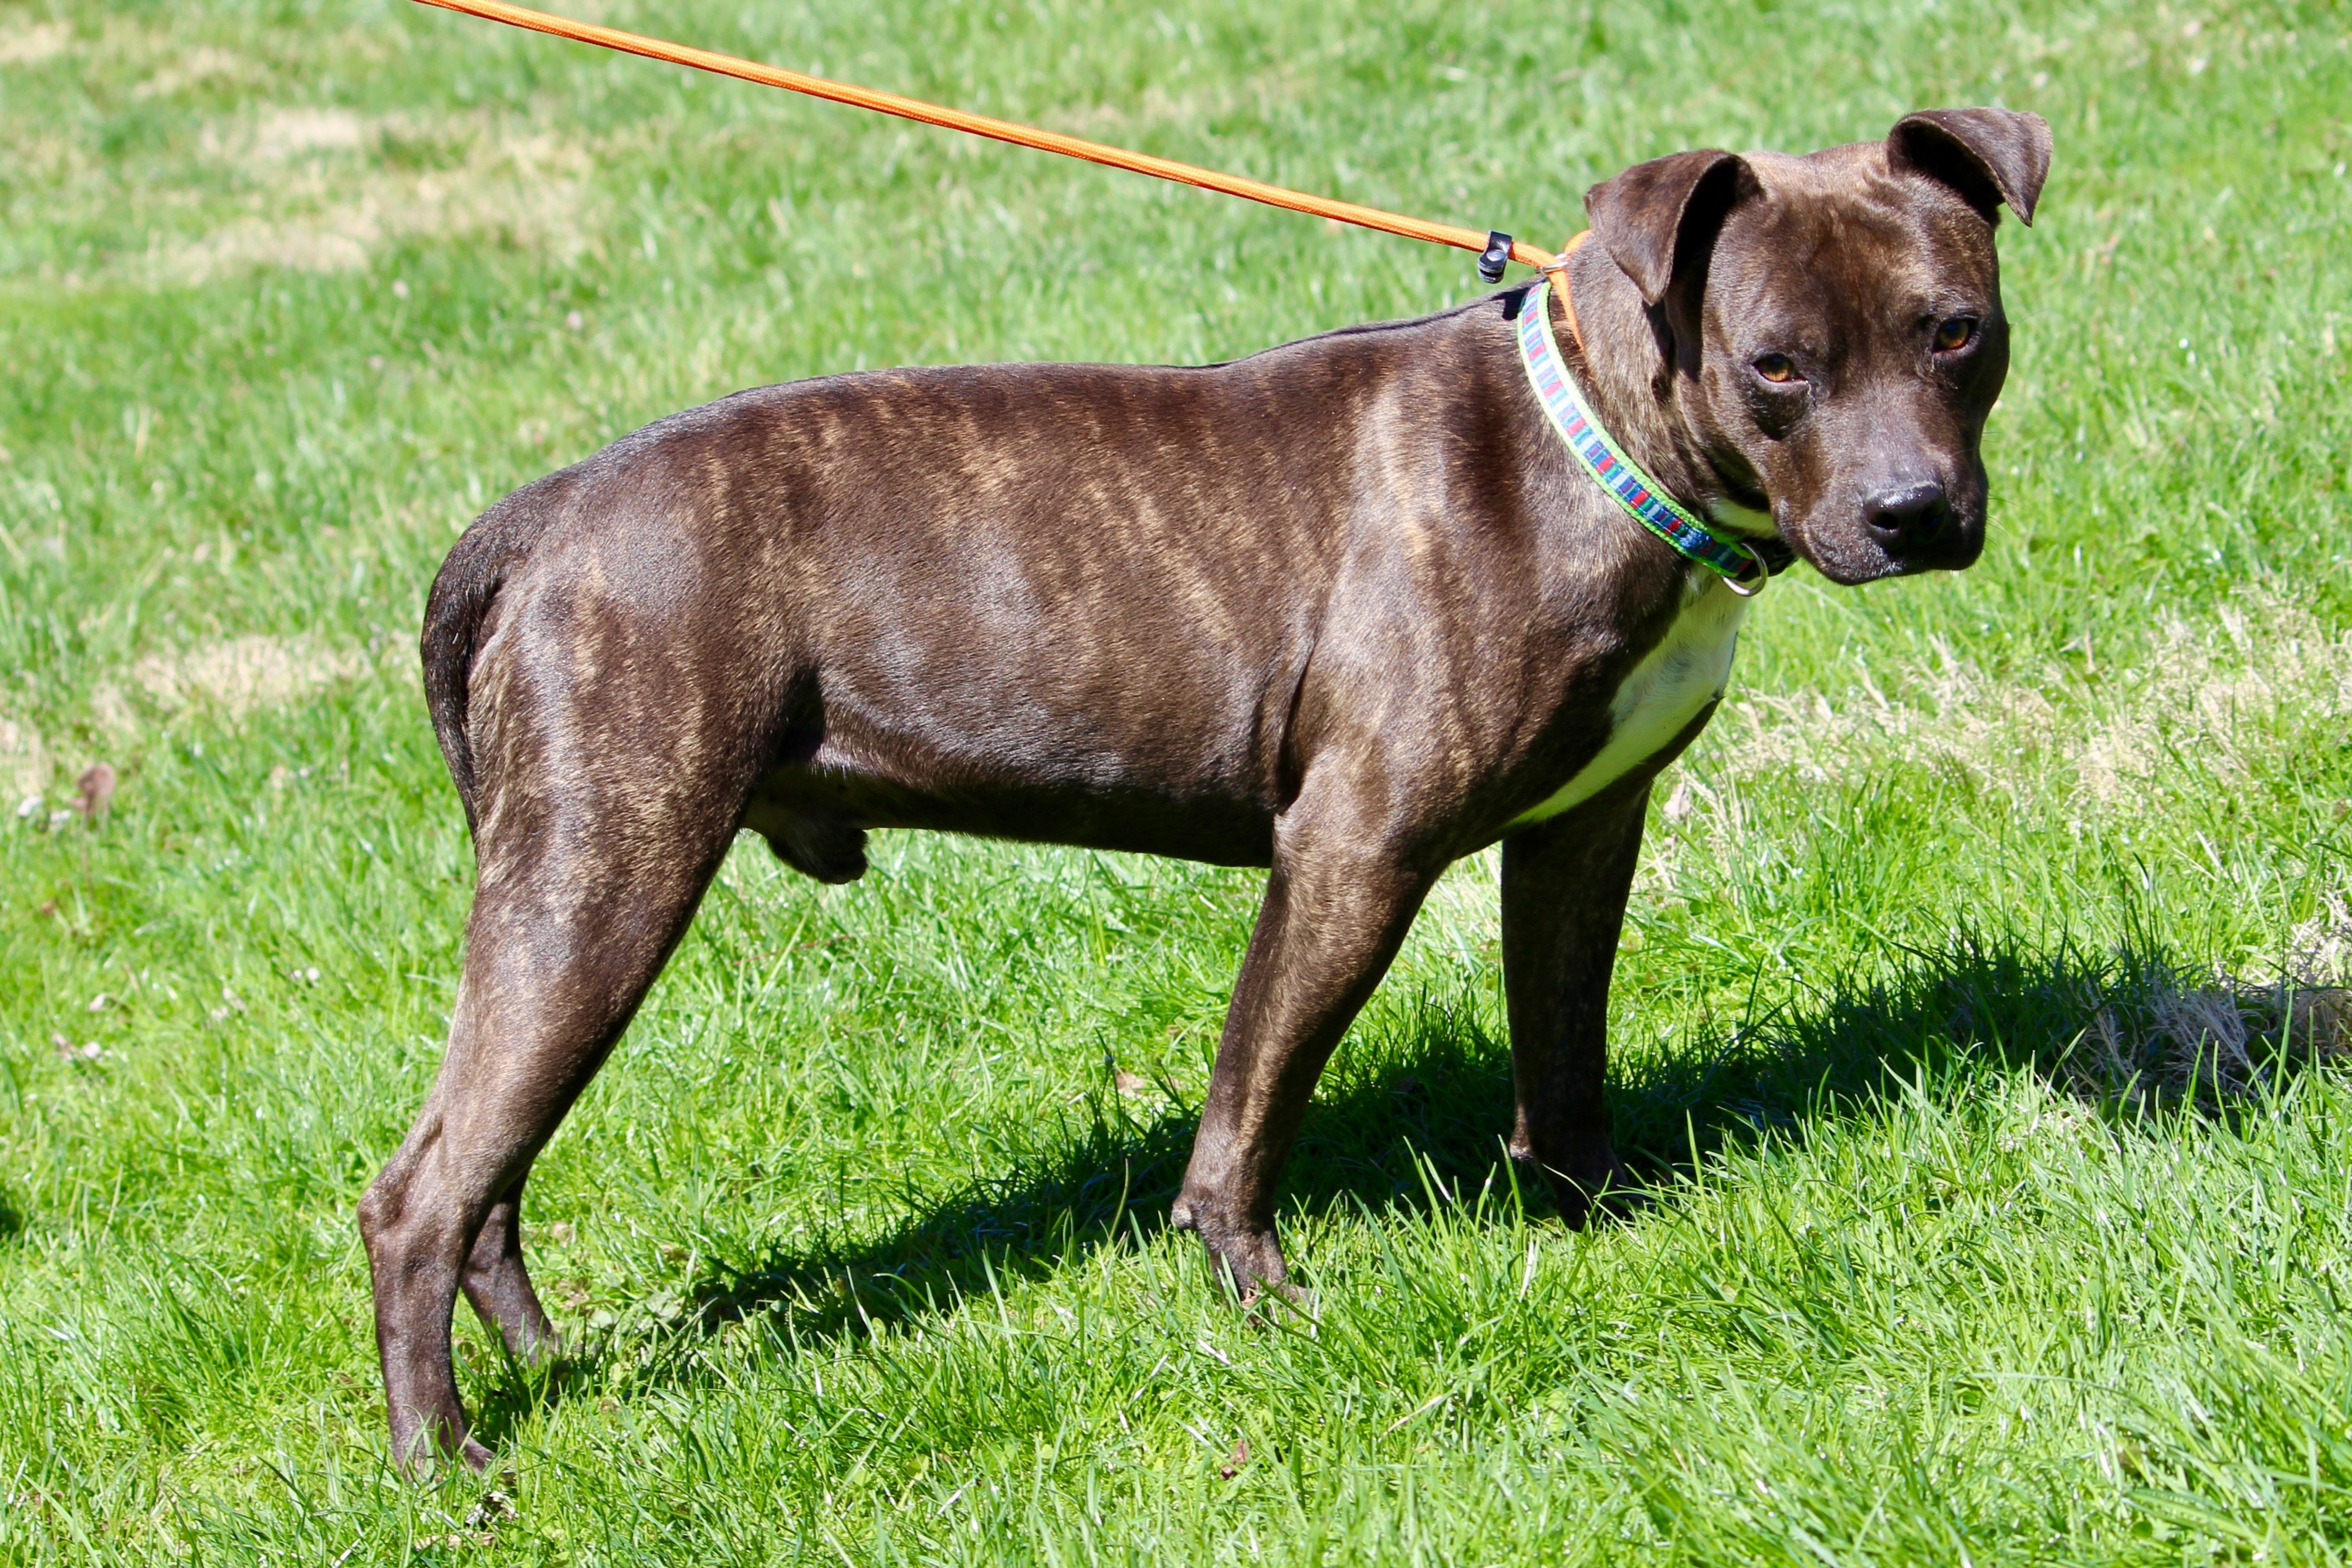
<point x="1620" y="366"/>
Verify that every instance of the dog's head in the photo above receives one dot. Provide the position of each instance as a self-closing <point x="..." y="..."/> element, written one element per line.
<point x="1833" y="326"/>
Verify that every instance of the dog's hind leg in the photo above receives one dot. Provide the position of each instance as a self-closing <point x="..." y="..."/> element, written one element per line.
<point x="1337" y="905"/>
<point x="498" y="1286"/>
<point x="579" y="900"/>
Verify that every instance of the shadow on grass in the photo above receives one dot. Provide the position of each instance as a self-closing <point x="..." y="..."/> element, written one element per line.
<point x="1415" y="1113"/>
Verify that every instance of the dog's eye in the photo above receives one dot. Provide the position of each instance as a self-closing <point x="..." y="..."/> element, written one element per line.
<point x="1955" y="334"/>
<point x="1776" y="368"/>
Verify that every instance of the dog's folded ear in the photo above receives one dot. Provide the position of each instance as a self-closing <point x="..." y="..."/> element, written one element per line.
<point x="1988" y="155"/>
<point x="1657" y="219"/>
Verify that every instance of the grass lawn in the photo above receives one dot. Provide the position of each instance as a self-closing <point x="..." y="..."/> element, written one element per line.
<point x="2002" y="1216"/>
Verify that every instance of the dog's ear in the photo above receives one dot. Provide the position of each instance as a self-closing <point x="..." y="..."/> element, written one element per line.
<point x="1656" y="218"/>
<point x="1988" y="155"/>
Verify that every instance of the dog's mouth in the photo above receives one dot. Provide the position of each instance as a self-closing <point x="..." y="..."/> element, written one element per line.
<point x="1858" y="548"/>
<point x="1898" y="516"/>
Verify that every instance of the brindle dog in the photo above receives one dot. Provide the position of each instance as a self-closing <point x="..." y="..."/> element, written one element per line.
<point x="1347" y="609"/>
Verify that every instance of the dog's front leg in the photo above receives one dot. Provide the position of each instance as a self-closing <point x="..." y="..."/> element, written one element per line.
<point x="1564" y="887"/>
<point x="1336" y="906"/>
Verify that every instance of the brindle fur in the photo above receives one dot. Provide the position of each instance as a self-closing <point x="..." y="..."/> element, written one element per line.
<point x="1345" y="609"/>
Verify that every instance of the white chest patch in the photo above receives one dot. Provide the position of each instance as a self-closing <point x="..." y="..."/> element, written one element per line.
<point x="1682" y="674"/>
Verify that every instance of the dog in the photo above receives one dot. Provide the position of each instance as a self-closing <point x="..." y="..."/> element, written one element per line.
<point x="1349" y="609"/>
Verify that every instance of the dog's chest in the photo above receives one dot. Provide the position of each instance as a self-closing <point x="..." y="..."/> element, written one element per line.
<point x="1663" y="694"/>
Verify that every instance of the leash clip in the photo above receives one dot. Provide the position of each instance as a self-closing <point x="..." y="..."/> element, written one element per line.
<point x="1496" y="257"/>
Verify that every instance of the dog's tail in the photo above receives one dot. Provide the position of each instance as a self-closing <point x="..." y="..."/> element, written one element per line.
<point x="462" y="594"/>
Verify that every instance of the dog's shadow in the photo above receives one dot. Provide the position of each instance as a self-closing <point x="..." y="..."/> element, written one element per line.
<point x="1414" y="1111"/>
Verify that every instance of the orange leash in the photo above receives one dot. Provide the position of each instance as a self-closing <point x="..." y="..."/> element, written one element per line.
<point x="1494" y="248"/>
<point x="1558" y="268"/>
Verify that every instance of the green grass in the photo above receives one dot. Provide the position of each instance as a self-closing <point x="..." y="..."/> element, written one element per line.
<point x="858" y="1239"/>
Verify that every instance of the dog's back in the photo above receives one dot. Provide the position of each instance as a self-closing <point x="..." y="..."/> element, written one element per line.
<point x="1047" y="602"/>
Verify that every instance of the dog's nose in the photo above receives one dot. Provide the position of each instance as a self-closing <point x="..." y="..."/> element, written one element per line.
<point x="1910" y="515"/>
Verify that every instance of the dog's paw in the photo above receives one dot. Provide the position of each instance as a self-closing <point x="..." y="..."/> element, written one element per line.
<point x="1593" y="1186"/>
<point x="1613" y="1193"/>
<point x="1286" y="1305"/>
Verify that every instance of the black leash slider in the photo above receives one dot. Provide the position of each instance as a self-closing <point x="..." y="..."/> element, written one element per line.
<point x="1496" y="257"/>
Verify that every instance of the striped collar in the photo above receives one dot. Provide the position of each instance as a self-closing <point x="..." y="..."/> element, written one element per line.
<point x="1745" y="565"/>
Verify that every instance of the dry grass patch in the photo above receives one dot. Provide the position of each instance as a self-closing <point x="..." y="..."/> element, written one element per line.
<point x="2208" y="1045"/>
<point x="31" y="46"/>
<point x="2137" y="1033"/>
<point x="2168" y="1039"/>
<point x="24" y="761"/>
<point x="529" y="190"/>
<point x="2210" y="695"/>
<point x="230" y="679"/>
<point x="200" y="65"/>
<point x="284" y="134"/>
<point x="32" y="157"/>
